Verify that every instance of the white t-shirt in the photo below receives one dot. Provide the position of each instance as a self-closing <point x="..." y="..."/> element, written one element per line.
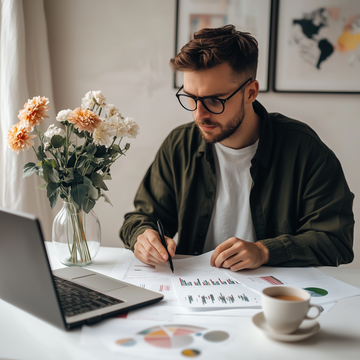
<point x="231" y="215"/>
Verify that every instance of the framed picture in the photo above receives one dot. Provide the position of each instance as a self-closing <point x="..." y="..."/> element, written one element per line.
<point x="253" y="16"/>
<point x="317" y="46"/>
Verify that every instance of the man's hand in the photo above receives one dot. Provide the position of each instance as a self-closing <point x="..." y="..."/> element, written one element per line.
<point x="149" y="249"/>
<point x="236" y="254"/>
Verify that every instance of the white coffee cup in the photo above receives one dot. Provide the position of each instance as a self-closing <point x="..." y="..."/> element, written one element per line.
<point x="286" y="307"/>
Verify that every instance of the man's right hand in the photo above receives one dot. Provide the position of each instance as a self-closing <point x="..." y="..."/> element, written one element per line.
<point x="149" y="250"/>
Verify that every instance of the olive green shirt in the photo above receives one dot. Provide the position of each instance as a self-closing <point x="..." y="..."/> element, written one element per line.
<point x="300" y="202"/>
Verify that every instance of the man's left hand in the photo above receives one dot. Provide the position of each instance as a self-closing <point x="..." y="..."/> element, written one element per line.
<point x="236" y="254"/>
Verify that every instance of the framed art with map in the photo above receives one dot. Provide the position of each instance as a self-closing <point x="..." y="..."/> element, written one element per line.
<point x="253" y="16"/>
<point x="317" y="46"/>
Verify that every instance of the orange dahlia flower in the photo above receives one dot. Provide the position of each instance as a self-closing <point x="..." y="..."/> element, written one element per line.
<point x="34" y="112"/>
<point x="19" y="138"/>
<point x="84" y="119"/>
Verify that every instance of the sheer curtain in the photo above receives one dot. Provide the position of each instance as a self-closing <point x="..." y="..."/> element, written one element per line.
<point x="24" y="73"/>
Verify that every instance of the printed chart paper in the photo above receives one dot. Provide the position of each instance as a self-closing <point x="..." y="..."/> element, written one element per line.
<point x="323" y="288"/>
<point x="198" y="285"/>
<point x="161" y="340"/>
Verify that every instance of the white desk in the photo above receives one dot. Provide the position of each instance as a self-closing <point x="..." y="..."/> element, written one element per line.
<point x="23" y="336"/>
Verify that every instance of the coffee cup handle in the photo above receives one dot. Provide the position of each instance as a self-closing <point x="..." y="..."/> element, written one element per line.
<point x="314" y="317"/>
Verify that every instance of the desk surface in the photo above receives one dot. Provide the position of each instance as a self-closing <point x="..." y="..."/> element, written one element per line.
<point x="23" y="336"/>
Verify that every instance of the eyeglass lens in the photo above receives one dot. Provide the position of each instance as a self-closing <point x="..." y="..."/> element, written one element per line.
<point x="211" y="104"/>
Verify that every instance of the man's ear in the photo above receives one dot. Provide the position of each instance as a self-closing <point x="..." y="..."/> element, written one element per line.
<point x="251" y="92"/>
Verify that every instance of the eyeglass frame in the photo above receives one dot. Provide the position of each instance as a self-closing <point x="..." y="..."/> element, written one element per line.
<point x="223" y="101"/>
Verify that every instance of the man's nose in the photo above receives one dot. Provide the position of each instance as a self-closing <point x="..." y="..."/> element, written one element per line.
<point x="201" y="112"/>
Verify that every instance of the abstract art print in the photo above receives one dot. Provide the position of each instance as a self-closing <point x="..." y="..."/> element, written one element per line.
<point x="318" y="46"/>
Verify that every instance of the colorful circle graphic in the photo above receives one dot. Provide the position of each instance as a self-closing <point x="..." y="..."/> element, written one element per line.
<point x="125" y="342"/>
<point x="316" y="292"/>
<point x="170" y="336"/>
<point x="190" y="352"/>
<point x="216" y="336"/>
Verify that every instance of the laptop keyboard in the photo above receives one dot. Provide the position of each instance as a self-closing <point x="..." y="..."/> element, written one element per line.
<point x="76" y="299"/>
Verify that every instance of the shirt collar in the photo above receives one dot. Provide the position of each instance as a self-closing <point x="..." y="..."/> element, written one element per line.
<point x="264" y="150"/>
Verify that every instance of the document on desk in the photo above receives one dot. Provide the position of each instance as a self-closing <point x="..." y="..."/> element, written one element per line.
<point x="323" y="288"/>
<point x="155" y="278"/>
<point x="201" y="286"/>
<point x="194" y="285"/>
<point x="161" y="340"/>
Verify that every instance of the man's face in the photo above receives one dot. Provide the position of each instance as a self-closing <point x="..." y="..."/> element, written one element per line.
<point x="218" y="82"/>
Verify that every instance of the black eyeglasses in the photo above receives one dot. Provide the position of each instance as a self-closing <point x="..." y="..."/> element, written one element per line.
<point x="210" y="103"/>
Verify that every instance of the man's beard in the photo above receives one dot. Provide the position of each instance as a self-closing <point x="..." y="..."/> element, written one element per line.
<point x="226" y="130"/>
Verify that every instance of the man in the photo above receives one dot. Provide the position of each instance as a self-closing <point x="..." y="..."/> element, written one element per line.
<point x="257" y="188"/>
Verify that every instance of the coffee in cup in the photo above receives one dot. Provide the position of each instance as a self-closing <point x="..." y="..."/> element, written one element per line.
<point x="286" y="307"/>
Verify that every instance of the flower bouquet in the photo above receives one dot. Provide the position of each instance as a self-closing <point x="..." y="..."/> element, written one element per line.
<point x="74" y="160"/>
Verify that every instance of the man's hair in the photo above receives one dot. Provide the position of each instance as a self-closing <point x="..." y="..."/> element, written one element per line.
<point x="214" y="46"/>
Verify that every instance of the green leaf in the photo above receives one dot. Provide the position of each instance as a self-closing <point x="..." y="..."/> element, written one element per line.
<point x="97" y="181"/>
<point x="101" y="151"/>
<point x="96" y="161"/>
<point x="107" y="176"/>
<point x="71" y="161"/>
<point x="40" y="172"/>
<point x="91" y="149"/>
<point x="51" y="188"/>
<point x="79" y="134"/>
<point x="106" y="199"/>
<point x="116" y="147"/>
<point x="53" y="199"/>
<point x="42" y="186"/>
<point x="57" y="141"/>
<point x="87" y="181"/>
<point x="54" y="176"/>
<point x="88" y="204"/>
<point x="40" y="154"/>
<point x="29" y="169"/>
<point x="127" y="146"/>
<point x="113" y="151"/>
<point x="78" y="193"/>
<point x="93" y="192"/>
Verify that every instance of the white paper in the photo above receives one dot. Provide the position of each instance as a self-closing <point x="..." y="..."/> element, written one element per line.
<point x="161" y="340"/>
<point x="323" y="288"/>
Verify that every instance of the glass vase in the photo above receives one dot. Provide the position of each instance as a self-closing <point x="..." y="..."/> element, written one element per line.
<point x="76" y="235"/>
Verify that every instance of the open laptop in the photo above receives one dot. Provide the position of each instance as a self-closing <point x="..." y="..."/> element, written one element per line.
<point x="66" y="298"/>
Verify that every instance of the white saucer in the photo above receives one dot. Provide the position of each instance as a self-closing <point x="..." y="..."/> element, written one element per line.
<point x="306" y="329"/>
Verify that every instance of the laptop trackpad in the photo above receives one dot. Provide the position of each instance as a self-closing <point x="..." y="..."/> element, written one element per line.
<point x="99" y="282"/>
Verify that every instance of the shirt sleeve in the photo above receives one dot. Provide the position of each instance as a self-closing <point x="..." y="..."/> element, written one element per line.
<point x="324" y="236"/>
<point x="155" y="199"/>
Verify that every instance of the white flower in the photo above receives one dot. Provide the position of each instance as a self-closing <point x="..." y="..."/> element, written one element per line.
<point x="53" y="130"/>
<point x="63" y="115"/>
<point x="88" y="100"/>
<point x="104" y="134"/>
<point x="132" y="128"/>
<point x="118" y="125"/>
<point x="111" y="110"/>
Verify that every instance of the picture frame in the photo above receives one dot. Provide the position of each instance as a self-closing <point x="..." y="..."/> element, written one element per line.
<point x="317" y="47"/>
<point x="253" y="16"/>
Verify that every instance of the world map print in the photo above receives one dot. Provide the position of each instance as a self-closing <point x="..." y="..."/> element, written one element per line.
<point x="319" y="34"/>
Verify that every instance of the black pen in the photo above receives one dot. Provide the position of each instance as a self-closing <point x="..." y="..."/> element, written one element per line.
<point x="162" y="238"/>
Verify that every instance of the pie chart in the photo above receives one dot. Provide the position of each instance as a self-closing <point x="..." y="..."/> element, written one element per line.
<point x="170" y="336"/>
<point x="316" y="292"/>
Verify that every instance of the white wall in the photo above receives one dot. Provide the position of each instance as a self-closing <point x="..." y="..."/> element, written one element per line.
<point x="123" y="47"/>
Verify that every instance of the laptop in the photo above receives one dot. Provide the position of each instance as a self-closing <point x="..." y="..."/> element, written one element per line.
<point x="67" y="297"/>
